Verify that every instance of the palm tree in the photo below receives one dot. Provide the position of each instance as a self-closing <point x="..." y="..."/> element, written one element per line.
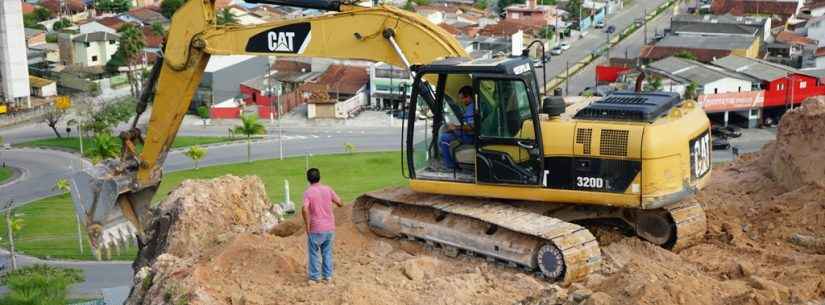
<point x="225" y="17"/>
<point x="655" y="84"/>
<point x="103" y="147"/>
<point x="131" y="43"/>
<point x="196" y="153"/>
<point x="691" y="91"/>
<point x="249" y="127"/>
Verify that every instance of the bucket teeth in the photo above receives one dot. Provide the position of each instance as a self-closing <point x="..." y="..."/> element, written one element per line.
<point x="119" y="236"/>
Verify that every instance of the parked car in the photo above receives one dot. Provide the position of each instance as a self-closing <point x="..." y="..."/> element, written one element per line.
<point x="726" y="132"/>
<point x="639" y="21"/>
<point x="599" y="24"/>
<point x="720" y="144"/>
<point x="557" y="50"/>
<point x="658" y="36"/>
<point x="564" y="46"/>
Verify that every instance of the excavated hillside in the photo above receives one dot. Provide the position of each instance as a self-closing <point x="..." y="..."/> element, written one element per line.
<point x="765" y="245"/>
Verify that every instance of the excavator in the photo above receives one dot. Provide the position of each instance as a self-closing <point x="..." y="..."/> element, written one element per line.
<point x="520" y="191"/>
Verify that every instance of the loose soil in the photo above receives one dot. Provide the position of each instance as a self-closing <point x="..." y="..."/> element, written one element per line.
<point x="765" y="245"/>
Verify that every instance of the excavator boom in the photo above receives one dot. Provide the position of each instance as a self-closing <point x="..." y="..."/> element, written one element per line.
<point x="113" y="198"/>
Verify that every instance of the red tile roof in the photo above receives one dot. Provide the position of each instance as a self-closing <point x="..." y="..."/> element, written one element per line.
<point x="147" y="16"/>
<point x="445" y="8"/>
<point x="74" y="6"/>
<point x="220" y="4"/>
<point x="820" y="52"/>
<point x="508" y="27"/>
<point x="28" y="8"/>
<point x="750" y="7"/>
<point x="450" y="29"/>
<point x="112" y="22"/>
<point x="344" y="79"/>
<point x="152" y="40"/>
<point x="789" y="37"/>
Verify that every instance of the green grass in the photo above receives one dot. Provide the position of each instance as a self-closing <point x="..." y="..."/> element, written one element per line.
<point x="73" y="144"/>
<point x="50" y="229"/>
<point x="5" y="174"/>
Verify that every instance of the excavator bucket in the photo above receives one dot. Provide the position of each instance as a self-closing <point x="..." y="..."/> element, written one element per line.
<point x="101" y="203"/>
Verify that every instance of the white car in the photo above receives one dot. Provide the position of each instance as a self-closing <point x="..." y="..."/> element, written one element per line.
<point x="599" y="24"/>
<point x="564" y="46"/>
<point x="557" y="50"/>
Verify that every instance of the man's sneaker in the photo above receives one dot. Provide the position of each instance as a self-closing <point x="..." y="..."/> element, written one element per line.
<point x="312" y="282"/>
<point x="328" y="281"/>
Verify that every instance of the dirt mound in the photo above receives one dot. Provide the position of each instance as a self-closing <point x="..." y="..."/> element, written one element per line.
<point x="796" y="156"/>
<point x="765" y="245"/>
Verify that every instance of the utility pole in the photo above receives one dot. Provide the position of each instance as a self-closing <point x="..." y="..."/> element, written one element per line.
<point x="10" y="231"/>
<point x="567" y="79"/>
<point x="80" y="138"/>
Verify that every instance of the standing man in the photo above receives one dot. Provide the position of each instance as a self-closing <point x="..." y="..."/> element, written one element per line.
<point x="463" y="132"/>
<point x="320" y="226"/>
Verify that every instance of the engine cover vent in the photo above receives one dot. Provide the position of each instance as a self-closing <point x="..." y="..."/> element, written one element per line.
<point x="613" y="142"/>
<point x="630" y="106"/>
<point x="584" y="136"/>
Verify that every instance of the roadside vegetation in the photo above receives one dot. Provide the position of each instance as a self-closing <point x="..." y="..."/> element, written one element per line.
<point x="51" y="228"/>
<point x="5" y="174"/>
<point x="73" y="144"/>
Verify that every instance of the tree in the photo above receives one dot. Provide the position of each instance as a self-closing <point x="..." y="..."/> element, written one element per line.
<point x="62" y="24"/>
<point x="481" y="4"/>
<point x="203" y="113"/>
<point x="655" y="84"/>
<point x="503" y="4"/>
<point x="409" y="6"/>
<point x="249" y="127"/>
<point x="158" y="29"/>
<point x="169" y="7"/>
<point x="39" y="285"/>
<point x="225" y="17"/>
<point x="131" y="43"/>
<point x="114" y="6"/>
<point x="691" y="91"/>
<point x="349" y="148"/>
<point x="686" y="55"/>
<point x="574" y="7"/>
<point x="101" y="117"/>
<point x="196" y="153"/>
<point x="53" y="116"/>
<point x="42" y="14"/>
<point x="104" y="146"/>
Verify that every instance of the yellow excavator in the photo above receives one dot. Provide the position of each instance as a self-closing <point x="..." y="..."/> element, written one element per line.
<point x="516" y="189"/>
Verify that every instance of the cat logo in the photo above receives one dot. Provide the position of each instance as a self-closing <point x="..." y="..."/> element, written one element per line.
<point x="290" y="38"/>
<point x="281" y="41"/>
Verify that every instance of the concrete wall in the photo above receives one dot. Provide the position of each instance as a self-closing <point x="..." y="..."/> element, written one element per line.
<point x="225" y="83"/>
<point x="726" y="85"/>
<point x="14" y="72"/>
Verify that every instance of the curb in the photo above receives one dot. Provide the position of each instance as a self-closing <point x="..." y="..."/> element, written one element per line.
<point x="16" y="173"/>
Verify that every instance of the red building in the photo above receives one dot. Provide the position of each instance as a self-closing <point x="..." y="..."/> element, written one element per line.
<point x="783" y="85"/>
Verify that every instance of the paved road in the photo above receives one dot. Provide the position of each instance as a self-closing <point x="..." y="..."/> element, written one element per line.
<point x="40" y="170"/>
<point x="595" y="38"/>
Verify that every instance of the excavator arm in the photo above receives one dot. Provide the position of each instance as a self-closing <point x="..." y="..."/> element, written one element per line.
<point x="113" y="198"/>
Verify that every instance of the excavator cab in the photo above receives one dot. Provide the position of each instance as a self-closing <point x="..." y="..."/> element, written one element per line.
<point x="492" y="138"/>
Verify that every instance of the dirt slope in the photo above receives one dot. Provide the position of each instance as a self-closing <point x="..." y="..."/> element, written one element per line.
<point x="765" y="245"/>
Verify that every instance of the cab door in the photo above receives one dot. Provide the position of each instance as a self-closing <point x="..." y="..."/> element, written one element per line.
<point x="508" y="146"/>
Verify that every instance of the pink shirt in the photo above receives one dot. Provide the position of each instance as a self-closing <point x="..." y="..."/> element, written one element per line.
<point x="318" y="200"/>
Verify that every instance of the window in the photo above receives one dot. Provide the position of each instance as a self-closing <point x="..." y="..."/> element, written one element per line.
<point x="94" y="58"/>
<point x="780" y="87"/>
<point x="504" y="106"/>
<point x="740" y="88"/>
<point x="803" y="85"/>
<point x="111" y="42"/>
<point x="715" y="90"/>
<point x="86" y="44"/>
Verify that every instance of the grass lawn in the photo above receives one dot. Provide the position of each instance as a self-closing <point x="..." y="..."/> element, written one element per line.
<point x="50" y="228"/>
<point x="72" y="143"/>
<point x="5" y="174"/>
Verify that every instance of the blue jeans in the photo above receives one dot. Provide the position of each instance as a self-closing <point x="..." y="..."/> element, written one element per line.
<point x="444" y="144"/>
<point x="319" y="245"/>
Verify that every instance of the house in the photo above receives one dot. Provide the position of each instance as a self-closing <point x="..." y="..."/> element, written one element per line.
<point x="112" y="22"/>
<point x="792" y="49"/>
<point x="146" y="3"/>
<point x="593" y="12"/>
<point x="815" y="29"/>
<point x="41" y="87"/>
<point x="74" y="10"/>
<point x="34" y="37"/>
<point x="814" y="8"/>
<point x="27" y="8"/>
<point x="94" y="49"/>
<point x="706" y="48"/>
<point x="91" y="26"/>
<point x="346" y="92"/>
<point x="783" y="9"/>
<point x="388" y="85"/>
<point x="508" y="27"/>
<point x="144" y="16"/>
<point x="710" y="80"/>
<point x="531" y="10"/>
<point x="51" y="51"/>
<point x="243" y="15"/>
<point x="721" y="25"/>
<point x="223" y="76"/>
<point x="819" y="61"/>
<point x="267" y="12"/>
<point x="152" y="40"/>
<point x="783" y="85"/>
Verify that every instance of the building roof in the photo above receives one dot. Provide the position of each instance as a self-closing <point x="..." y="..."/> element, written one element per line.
<point x="652" y="52"/>
<point x="147" y="16"/>
<point x="812" y="4"/>
<point x="37" y="82"/>
<point x="220" y="4"/>
<point x="819" y="73"/>
<point x="74" y="6"/>
<point x="754" y="7"/>
<point x="691" y="71"/>
<point x="509" y="27"/>
<point x="219" y="62"/>
<point x="32" y="32"/>
<point x="450" y="29"/>
<point x="707" y="42"/>
<point x="756" y="21"/>
<point x="96" y="36"/>
<point x="703" y="27"/>
<point x="794" y="38"/>
<point x="756" y="68"/>
<point x="112" y="22"/>
<point x="151" y="39"/>
<point x="440" y="7"/>
<point x="344" y="79"/>
<point x="49" y="46"/>
<point x="820" y="52"/>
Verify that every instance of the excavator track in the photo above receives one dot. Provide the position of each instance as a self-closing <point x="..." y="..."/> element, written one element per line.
<point x="690" y="221"/>
<point x="560" y="250"/>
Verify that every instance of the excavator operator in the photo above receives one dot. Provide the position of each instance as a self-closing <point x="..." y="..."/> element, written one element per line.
<point x="462" y="132"/>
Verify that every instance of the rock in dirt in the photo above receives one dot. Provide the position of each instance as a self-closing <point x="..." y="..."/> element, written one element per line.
<point x="599" y="298"/>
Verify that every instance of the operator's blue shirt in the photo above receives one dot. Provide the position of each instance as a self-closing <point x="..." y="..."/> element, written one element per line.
<point x="469" y="112"/>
